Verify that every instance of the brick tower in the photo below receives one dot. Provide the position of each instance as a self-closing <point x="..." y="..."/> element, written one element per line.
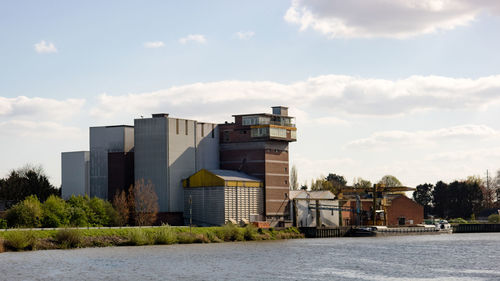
<point x="257" y="144"/>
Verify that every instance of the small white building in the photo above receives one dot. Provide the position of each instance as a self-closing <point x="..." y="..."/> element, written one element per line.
<point x="306" y="205"/>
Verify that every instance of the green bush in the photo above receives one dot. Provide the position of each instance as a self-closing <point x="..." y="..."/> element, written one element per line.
<point x="138" y="237"/>
<point x="80" y="211"/>
<point x="189" y="238"/>
<point x="69" y="238"/>
<point x="55" y="212"/>
<point x="3" y="223"/>
<point x="84" y="211"/>
<point x="165" y="235"/>
<point x="494" y="218"/>
<point x="230" y="232"/>
<point x="250" y="233"/>
<point x="77" y="217"/>
<point x="20" y="240"/>
<point x="459" y="220"/>
<point x="27" y="213"/>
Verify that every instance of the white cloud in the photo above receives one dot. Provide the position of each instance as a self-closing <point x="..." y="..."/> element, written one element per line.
<point x="387" y="139"/>
<point x="245" y="35"/>
<point x="385" y="18"/>
<point x="44" y="47"/>
<point x="153" y="44"/>
<point x="326" y="96"/>
<point x="39" y="108"/>
<point x="198" y="38"/>
<point x="35" y="129"/>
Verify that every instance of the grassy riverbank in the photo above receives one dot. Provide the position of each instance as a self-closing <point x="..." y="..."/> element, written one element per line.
<point x="23" y="240"/>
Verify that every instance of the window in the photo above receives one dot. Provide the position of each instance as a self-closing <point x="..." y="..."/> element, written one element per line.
<point x="250" y="120"/>
<point x="293" y="134"/>
<point x="226" y="135"/>
<point x="202" y="129"/>
<point x="278" y="132"/>
<point x="177" y="126"/>
<point x="259" y="132"/>
<point x="186" y="127"/>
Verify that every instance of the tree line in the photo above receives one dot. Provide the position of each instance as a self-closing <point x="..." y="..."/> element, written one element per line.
<point x="460" y="198"/>
<point x="31" y="201"/>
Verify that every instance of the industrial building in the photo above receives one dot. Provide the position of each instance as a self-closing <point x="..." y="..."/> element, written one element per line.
<point x="314" y="208"/>
<point x="75" y="178"/>
<point x="257" y="144"/>
<point x="392" y="207"/>
<point x="105" y="140"/>
<point x="166" y="151"/>
<point x="214" y="197"/>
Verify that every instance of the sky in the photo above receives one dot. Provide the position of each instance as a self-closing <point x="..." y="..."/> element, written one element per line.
<point x="401" y="87"/>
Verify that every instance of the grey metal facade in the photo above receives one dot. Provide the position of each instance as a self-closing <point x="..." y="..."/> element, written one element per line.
<point x="218" y="205"/>
<point x="103" y="140"/>
<point x="75" y="173"/>
<point x="168" y="150"/>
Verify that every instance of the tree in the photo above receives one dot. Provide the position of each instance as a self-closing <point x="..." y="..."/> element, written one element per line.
<point x="122" y="206"/>
<point x="360" y="183"/>
<point x="27" y="213"/>
<point x="440" y="199"/>
<point x="337" y="182"/>
<point x="423" y="196"/>
<point x="294" y="184"/>
<point x="389" y="181"/>
<point x="55" y="212"/>
<point x="26" y="181"/>
<point x="145" y="203"/>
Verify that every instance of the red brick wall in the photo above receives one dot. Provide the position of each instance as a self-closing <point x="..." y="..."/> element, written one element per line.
<point x="407" y="208"/>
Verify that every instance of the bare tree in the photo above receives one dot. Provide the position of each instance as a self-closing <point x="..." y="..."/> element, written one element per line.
<point x="122" y="206"/>
<point x="146" y="202"/>
<point x="294" y="184"/>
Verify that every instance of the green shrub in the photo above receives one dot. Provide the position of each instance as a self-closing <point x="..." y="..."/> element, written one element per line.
<point x="80" y="211"/>
<point x="3" y="224"/>
<point x="77" y="217"/>
<point x="230" y="232"/>
<point x="69" y="238"/>
<point x="20" y="240"/>
<point x="26" y="213"/>
<point x="138" y="237"/>
<point x="459" y="220"/>
<point x="165" y="235"/>
<point x="494" y="218"/>
<point x="55" y="212"/>
<point x="250" y="233"/>
<point x="189" y="238"/>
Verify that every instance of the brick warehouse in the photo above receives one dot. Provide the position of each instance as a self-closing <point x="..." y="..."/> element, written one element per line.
<point x="168" y="150"/>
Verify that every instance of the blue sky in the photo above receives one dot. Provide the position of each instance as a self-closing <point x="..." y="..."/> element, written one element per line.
<point x="409" y="88"/>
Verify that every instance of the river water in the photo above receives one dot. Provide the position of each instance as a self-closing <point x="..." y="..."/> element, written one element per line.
<point x="424" y="257"/>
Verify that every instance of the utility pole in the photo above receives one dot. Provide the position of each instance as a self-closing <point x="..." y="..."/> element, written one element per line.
<point x="190" y="212"/>
<point x="487" y="180"/>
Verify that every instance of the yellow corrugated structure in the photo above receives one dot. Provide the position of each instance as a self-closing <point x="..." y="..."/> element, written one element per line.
<point x="206" y="178"/>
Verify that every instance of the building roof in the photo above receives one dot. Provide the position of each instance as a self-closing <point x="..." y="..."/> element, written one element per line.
<point x="312" y="195"/>
<point x="230" y="175"/>
<point x="217" y="178"/>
